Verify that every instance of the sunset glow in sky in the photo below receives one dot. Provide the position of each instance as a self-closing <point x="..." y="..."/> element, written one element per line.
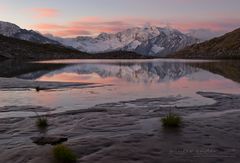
<point x="69" y="18"/>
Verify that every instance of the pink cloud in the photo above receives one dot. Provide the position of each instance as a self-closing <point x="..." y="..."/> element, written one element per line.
<point x="44" y="12"/>
<point x="96" y="25"/>
<point x="84" y="26"/>
<point x="44" y="27"/>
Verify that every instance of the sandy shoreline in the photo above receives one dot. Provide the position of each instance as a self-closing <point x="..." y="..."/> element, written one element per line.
<point x="132" y="132"/>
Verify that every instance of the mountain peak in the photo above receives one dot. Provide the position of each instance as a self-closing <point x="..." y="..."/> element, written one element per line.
<point x="148" y="26"/>
<point x="8" y="29"/>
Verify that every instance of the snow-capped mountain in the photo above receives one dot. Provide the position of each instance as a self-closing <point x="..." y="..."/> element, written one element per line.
<point x="204" y="34"/>
<point x="148" y="40"/>
<point x="11" y="30"/>
<point x="165" y="43"/>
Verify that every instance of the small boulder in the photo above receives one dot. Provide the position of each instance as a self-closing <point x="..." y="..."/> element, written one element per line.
<point x="43" y="140"/>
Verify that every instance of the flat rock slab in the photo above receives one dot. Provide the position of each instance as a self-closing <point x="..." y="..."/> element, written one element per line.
<point x="44" y="140"/>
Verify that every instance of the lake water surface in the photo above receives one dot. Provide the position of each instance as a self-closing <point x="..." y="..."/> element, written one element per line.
<point x="123" y="80"/>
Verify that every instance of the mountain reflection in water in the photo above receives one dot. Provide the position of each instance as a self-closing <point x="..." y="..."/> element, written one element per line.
<point x="122" y="72"/>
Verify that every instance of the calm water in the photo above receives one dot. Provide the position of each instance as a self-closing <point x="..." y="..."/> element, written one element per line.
<point x="124" y="79"/>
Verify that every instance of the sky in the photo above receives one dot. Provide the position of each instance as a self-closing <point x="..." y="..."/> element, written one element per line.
<point x="68" y="18"/>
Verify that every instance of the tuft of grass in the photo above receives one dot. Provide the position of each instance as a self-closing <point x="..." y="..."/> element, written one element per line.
<point x="42" y="122"/>
<point x="63" y="154"/>
<point x="171" y="120"/>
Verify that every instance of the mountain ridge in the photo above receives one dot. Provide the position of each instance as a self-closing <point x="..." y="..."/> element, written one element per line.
<point x="12" y="30"/>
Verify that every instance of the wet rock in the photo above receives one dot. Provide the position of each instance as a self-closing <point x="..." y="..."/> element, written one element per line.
<point x="43" y="140"/>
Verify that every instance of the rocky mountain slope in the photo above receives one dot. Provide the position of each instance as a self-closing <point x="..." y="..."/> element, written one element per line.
<point x="150" y="40"/>
<point x="224" y="47"/>
<point x="12" y="48"/>
<point x="14" y="31"/>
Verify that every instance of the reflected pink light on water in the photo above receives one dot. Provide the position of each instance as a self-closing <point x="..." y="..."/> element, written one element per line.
<point x="181" y="85"/>
<point x="76" y="78"/>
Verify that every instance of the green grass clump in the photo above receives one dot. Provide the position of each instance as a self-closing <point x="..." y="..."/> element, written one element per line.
<point x="63" y="154"/>
<point x="42" y="122"/>
<point x="171" y="120"/>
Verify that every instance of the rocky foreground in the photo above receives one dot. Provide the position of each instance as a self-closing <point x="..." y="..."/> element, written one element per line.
<point x="131" y="132"/>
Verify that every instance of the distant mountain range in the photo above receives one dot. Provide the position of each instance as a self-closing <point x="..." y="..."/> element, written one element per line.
<point x="147" y="41"/>
<point x="150" y="41"/>
<point x="224" y="47"/>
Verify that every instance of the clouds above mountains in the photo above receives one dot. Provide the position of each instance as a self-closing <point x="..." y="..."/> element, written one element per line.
<point x="43" y="13"/>
<point x="80" y="17"/>
<point x="95" y="25"/>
